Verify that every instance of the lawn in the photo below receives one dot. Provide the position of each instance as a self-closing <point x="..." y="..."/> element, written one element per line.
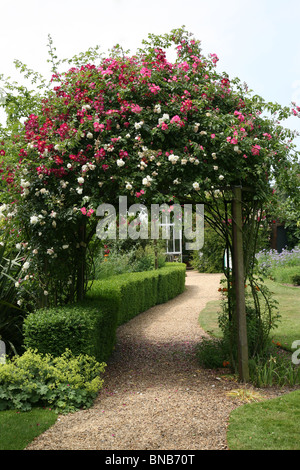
<point x="268" y="425"/>
<point x="288" y="299"/>
<point x="19" y="428"/>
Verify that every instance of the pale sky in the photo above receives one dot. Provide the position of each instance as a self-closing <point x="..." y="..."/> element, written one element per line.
<point x="257" y="41"/>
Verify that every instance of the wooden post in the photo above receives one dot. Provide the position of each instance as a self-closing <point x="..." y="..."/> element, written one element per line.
<point x="239" y="284"/>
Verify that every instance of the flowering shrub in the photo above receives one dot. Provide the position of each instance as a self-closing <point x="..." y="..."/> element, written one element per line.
<point x="138" y="126"/>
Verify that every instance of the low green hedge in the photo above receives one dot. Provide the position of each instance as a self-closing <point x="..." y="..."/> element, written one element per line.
<point x="90" y="327"/>
<point x="136" y="292"/>
<point x="84" y="328"/>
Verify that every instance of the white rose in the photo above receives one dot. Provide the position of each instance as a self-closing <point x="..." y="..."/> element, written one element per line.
<point x="26" y="266"/>
<point x="89" y="135"/>
<point x="128" y="186"/>
<point x="25" y="184"/>
<point x="147" y="181"/>
<point x="173" y="158"/>
<point x="79" y="190"/>
<point x="34" y="219"/>
<point x="216" y="168"/>
<point x="120" y="163"/>
<point x="221" y="177"/>
<point x="80" y="180"/>
<point x="196" y="186"/>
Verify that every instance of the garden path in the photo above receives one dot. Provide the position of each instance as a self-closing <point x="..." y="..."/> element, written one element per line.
<point x="155" y="395"/>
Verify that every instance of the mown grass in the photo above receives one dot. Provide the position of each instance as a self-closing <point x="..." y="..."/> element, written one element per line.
<point x="18" y="429"/>
<point x="269" y="425"/>
<point x="288" y="330"/>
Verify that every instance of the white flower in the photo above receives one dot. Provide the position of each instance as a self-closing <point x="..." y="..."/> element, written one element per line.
<point x="69" y="165"/>
<point x="80" y="180"/>
<point x="65" y="247"/>
<point x="157" y="109"/>
<point x="45" y="292"/>
<point x="120" y="162"/>
<point x="17" y="284"/>
<point x="25" y="184"/>
<point x="79" y="190"/>
<point x="147" y="181"/>
<point x="44" y="191"/>
<point x="53" y="214"/>
<point x="216" y="168"/>
<point x="203" y="133"/>
<point x="196" y="162"/>
<point x="18" y="246"/>
<point x="173" y="158"/>
<point x="50" y="251"/>
<point x="138" y="125"/>
<point x="196" y="186"/>
<point x="54" y="224"/>
<point x="176" y="181"/>
<point x="165" y="117"/>
<point x="214" y="156"/>
<point x="26" y="266"/>
<point x="183" y="161"/>
<point x="128" y="185"/>
<point x="221" y="177"/>
<point x="89" y="135"/>
<point x="34" y="219"/>
<point x="196" y="126"/>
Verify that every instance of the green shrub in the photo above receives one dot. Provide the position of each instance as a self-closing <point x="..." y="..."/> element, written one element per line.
<point x="66" y="383"/>
<point x="296" y="280"/>
<point x="84" y="328"/>
<point x="212" y="353"/>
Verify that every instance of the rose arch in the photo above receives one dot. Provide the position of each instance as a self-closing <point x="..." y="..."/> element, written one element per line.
<point x="155" y="131"/>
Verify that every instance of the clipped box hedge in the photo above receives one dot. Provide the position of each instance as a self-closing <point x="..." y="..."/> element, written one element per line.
<point x="84" y="328"/>
<point x="89" y="327"/>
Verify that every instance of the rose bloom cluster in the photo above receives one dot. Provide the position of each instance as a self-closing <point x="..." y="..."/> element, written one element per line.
<point x="138" y="126"/>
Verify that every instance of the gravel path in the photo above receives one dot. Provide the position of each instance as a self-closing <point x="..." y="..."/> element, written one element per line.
<point x="155" y="395"/>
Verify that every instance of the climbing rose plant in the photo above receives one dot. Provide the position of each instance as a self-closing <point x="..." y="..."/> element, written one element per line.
<point x="139" y="126"/>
